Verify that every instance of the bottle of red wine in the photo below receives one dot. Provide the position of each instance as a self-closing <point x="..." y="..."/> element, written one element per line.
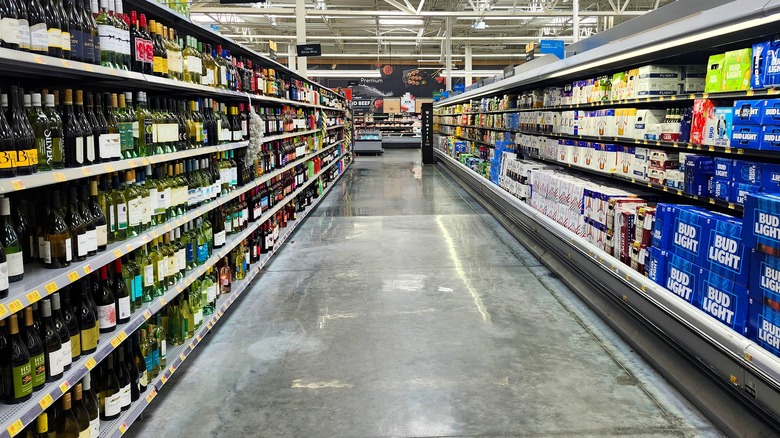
<point x="106" y="303"/>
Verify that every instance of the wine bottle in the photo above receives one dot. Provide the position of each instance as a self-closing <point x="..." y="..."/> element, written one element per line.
<point x="35" y="349"/>
<point x="62" y="330"/>
<point x="69" y="427"/>
<point x="41" y="426"/>
<point x="64" y="29"/>
<point x="96" y="128"/>
<point x="106" y="304"/>
<point x="77" y="228"/>
<point x="90" y="34"/>
<point x="98" y="216"/>
<point x="51" y="343"/>
<point x="71" y="322"/>
<point x="117" y="211"/>
<point x="7" y="146"/>
<point x="54" y="29"/>
<point x="125" y="397"/>
<point x="88" y="140"/>
<point x="37" y="21"/>
<point x="73" y="138"/>
<point x="26" y="152"/>
<point x="123" y="37"/>
<point x="106" y="31"/>
<point x="121" y="295"/>
<point x="10" y="243"/>
<point x="9" y="25"/>
<point x="80" y="411"/>
<point x="132" y="371"/>
<point x="88" y="219"/>
<point x="91" y="404"/>
<point x="17" y="371"/>
<point x="140" y="360"/>
<point x="56" y="250"/>
<point x="75" y="30"/>
<point x="110" y="391"/>
<point x="88" y="323"/>
<point x="161" y="336"/>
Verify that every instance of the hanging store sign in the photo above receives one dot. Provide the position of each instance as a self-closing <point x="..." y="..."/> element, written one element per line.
<point x="309" y="50"/>
<point x="529" y="51"/>
<point x="552" y="47"/>
<point x="272" y="49"/>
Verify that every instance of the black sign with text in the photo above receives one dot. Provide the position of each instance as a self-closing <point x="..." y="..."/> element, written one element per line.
<point x="309" y="49"/>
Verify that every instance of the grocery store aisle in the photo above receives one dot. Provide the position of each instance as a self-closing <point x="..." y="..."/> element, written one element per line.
<point x="400" y="308"/>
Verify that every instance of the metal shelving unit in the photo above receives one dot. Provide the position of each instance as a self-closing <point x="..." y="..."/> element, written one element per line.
<point x="13" y="418"/>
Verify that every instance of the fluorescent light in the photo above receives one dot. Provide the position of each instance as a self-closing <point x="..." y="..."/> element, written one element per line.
<point x="400" y="21"/>
<point x="478" y="73"/>
<point x="344" y="74"/>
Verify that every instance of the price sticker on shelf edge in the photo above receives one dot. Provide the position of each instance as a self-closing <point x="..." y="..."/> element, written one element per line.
<point x="182" y="357"/>
<point x="117" y="253"/>
<point x="123" y="426"/>
<point x="164" y="379"/>
<point x="151" y="395"/>
<point x="15" y="428"/>
<point x="147" y="314"/>
<point x="3" y="310"/>
<point x="90" y="363"/>
<point x="85" y="171"/>
<point x="73" y="275"/>
<point x="116" y="341"/>
<point x="60" y="177"/>
<point x="46" y="401"/>
<point x="171" y="369"/>
<point x="17" y="185"/>
<point x="35" y="295"/>
<point x="65" y="386"/>
<point x="15" y="306"/>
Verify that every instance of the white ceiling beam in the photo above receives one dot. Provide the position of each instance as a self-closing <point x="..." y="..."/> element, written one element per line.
<point x="422" y="2"/>
<point x="395" y="38"/>
<point x="463" y="15"/>
<point x="400" y="7"/>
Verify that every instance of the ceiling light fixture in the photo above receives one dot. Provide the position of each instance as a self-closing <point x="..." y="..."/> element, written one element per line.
<point x="480" y="24"/>
<point x="400" y="21"/>
<point x="344" y="74"/>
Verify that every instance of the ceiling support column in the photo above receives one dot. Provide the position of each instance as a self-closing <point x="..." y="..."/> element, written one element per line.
<point x="448" y="52"/>
<point x="300" y="33"/>
<point x="291" y="56"/>
<point x="575" y="8"/>
<point x="469" y="76"/>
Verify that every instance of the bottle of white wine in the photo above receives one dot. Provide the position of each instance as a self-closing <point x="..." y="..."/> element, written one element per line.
<point x="52" y="344"/>
<point x="10" y="242"/>
<point x="110" y="393"/>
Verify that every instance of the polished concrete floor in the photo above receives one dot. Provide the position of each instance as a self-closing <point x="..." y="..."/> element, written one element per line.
<point x="400" y="308"/>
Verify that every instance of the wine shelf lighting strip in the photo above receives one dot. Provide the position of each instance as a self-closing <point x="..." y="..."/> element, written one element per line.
<point x="177" y="355"/>
<point x="31" y="61"/>
<point x="40" y="282"/>
<point x="16" y="417"/>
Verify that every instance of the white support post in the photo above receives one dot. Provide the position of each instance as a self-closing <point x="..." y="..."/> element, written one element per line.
<point x="448" y="52"/>
<point x="291" y="56"/>
<point x="469" y="77"/>
<point x="575" y="6"/>
<point x="300" y="33"/>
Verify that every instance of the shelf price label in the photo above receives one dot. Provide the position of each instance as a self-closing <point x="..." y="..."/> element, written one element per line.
<point x="116" y="341"/>
<point x="46" y="401"/>
<point x="60" y="177"/>
<point x="16" y="306"/>
<point x="151" y="396"/>
<point x="123" y="426"/>
<point x="35" y="296"/>
<point x="147" y="314"/>
<point x="15" y="428"/>
<point x="73" y="276"/>
<point x="182" y="357"/>
<point x="117" y="253"/>
<point x="122" y="336"/>
<point x="51" y="287"/>
<point x="90" y="363"/>
<point x="164" y="379"/>
<point x="3" y="310"/>
<point x="65" y="386"/>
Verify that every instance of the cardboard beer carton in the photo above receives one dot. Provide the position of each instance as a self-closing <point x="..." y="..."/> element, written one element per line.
<point x="737" y="69"/>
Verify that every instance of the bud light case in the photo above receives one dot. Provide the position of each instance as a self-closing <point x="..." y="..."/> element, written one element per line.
<point x="655" y="266"/>
<point x="746" y="136"/>
<point x="683" y="278"/>
<point x="764" y="304"/>
<point x="724" y="300"/>
<point x="770" y="177"/>
<point x="721" y="189"/>
<point x="725" y="254"/>
<point x="740" y="191"/>
<point x="766" y="65"/>
<point x="689" y="235"/>
<point x="699" y="170"/>
<point x="748" y="172"/>
<point x="761" y="230"/>
<point x="665" y="216"/>
<point x="770" y="112"/>
<point x="748" y="112"/>
<point x="723" y="168"/>
<point x="770" y="138"/>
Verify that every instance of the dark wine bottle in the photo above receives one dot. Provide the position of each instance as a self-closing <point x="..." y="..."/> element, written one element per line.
<point x="80" y="411"/>
<point x="109" y="391"/>
<point x="16" y="368"/>
<point x="88" y="328"/>
<point x="89" y="221"/>
<point x="35" y="349"/>
<point x="62" y="331"/>
<point x="71" y="322"/>
<point x="106" y="303"/>
<point x="74" y="140"/>
<point x="51" y="344"/>
<point x="98" y="216"/>
<point x="10" y="243"/>
<point x="78" y="230"/>
<point x="125" y="393"/>
<point x="121" y="294"/>
<point x="92" y="405"/>
<point x="57" y="251"/>
<point x="26" y="152"/>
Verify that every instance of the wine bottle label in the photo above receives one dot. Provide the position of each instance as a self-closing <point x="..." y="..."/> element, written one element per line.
<point x="157" y="64"/>
<point x="89" y="47"/>
<point x="123" y="304"/>
<point x="150" y="366"/>
<point x="140" y="49"/>
<point x="143" y="377"/>
<point x="213" y="292"/>
<point x="127" y="131"/>
<point x="94" y="427"/>
<point x="105" y="32"/>
<point x="163" y="349"/>
<point x="194" y="65"/>
<point x="245" y="128"/>
<point x="54" y="39"/>
<point x="82" y="244"/>
<point x="229" y="226"/>
<point x="66" y="352"/>
<point x="146" y="211"/>
<point x="166" y="198"/>
<point x="148" y="131"/>
<point x="77" y="43"/>
<point x="153" y="201"/>
<point x="136" y="130"/>
<point x="84" y="433"/>
<point x="236" y="135"/>
<point x="4" y="276"/>
<point x="269" y="241"/>
<point x="102" y="235"/>
<point x="125" y="397"/>
<point x="113" y="404"/>
<point x="110" y="145"/>
<point x="107" y="316"/>
<point x="203" y="253"/>
<point x="174" y="62"/>
<point x="208" y="78"/>
<point x="244" y="216"/>
<point x="79" y="150"/>
<point x="38" y="370"/>
<point x="24" y="34"/>
<point x="162" y="266"/>
<point x="56" y="363"/>
<point x="172" y="266"/>
<point x="155" y="358"/>
<point x="89" y="141"/>
<point x="92" y="240"/>
<point x="22" y="380"/>
<point x="188" y="251"/>
<point x="219" y="238"/>
<point x="15" y="263"/>
<point x="75" y="347"/>
<point x="134" y="212"/>
<point x="65" y="41"/>
<point x="148" y="275"/>
<point x="68" y="250"/>
<point x="39" y="37"/>
<point x="182" y="259"/>
<point x="121" y="216"/>
<point x="138" y="285"/>
<point x="88" y="339"/>
<point x="192" y="197"/>
<point x="9" y="30"/>
<point x="198" y="316"/>
<point x="44" y="250"/>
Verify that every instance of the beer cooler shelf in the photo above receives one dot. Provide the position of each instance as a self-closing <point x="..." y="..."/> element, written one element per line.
<point x="724" y="372"/>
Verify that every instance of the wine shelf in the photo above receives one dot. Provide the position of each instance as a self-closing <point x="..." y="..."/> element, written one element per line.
<point x="177" y="355"/>
<point x="680" y="146"/>
<point x="16" y="62"/>
<point x="748" y="94"/>
<point x="13" y="418"/>
<point x="40" y="282"/>
<point x="467" y="139"/>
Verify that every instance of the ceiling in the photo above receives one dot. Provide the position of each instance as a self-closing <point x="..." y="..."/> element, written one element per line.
<point x="415" y="30"/>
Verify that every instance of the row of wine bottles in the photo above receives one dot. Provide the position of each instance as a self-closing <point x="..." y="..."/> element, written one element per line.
<point x="101" y="33"/>
<point x="67" y="324"/>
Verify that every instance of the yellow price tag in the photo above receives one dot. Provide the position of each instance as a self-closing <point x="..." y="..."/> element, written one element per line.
<point x="60" y="177"/>
<point x="144" y="161"/>
<point x="51" y="287"/>
<point x="129" y="247"/>
<point x="73" y="276"/>
<point x="46" y="401"/>
<point x="123" y="426"/>
<point x="198" y="338"/>
<point x="3" y="310"/>
<point x="771" y="91"/>
<point x="749" y="93"/>
<point x="162" y="301"/>
<point x="15" y="306"/>
<point x="727" y="150"/>
<point x="666" y="189"/>
<point x="116" y="341"/>
<point x="90" y="363"/>
<point x="88" y="269"/>
<point x="711" y="201"/>
<point x="117" y="253"/>
<point x="85" y="171"/>
<point x="171" y="369"/>
<point x="147" y="314"/>
<point x="122" y="336"/>
<point x="644" y="288"/>
<point x="15" y="428"/>
<point x="192" y="345"/>
<point x="672" y="97"/>
<point x="33" y="296"/>
<point x="732" y="206"/>
<point x="164" y="379"/>
<point x="182" y="357"/>
<point x="108" y="168"/>
<point x="151" y="395"/>
<point x="38" y="59"/>
<point x="17" y="185"/>
<point x="65" y="386"/>
<point x="703" y="96"/>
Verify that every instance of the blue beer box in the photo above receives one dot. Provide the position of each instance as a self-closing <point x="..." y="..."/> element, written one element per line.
<point x="770" y="177"/>
<point x="748" y="172"/>
<point x="746" y="136"/>
<point x="748" y="112"/>
<point x="721" y="189"/>
<point x="770" y="138"/>
<point x="770" y="113"/>
<point x="764" y="304"/>
<point x="655" y="266"/>
<point x="689" y="236"/>
<point x="740" y="192"/>
<point x="724" y="300"/>
<point x="665" y="215"/>
<point x="683" y="278"/>
<point x="698" y="175"/>
<point x="761" y="223"/>
<point x="723" y="168"/>
<point x="724" y="253"/>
